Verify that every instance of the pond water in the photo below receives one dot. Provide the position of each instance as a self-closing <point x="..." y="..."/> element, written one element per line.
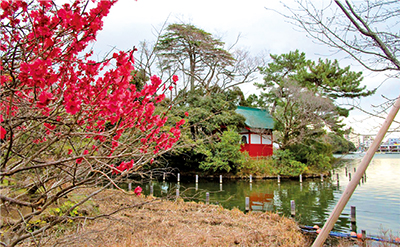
<point x="377" y="199"/>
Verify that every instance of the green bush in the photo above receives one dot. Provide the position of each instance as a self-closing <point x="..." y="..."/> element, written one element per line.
<point x="259" y="167"/>
<point x="223" y="154"/>
<point x="285" y="163"/>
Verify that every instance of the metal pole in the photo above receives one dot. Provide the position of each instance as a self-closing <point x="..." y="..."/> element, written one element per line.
<point x="319" y="241"/>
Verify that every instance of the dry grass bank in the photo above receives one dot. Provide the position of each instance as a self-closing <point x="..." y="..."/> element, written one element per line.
<point x="166" y="223"/>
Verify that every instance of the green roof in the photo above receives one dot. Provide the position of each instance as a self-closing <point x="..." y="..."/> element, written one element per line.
<point x="256" y="118"/>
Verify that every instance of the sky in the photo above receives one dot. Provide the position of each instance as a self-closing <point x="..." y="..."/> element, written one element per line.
<point x="260" y="30"/>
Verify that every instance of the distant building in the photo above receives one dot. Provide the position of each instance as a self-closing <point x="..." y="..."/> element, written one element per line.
<point x="361" y="142"/>
<point x="367" y="141"/>
<point x="392" y="145"/>
<point x="257" y="138"/>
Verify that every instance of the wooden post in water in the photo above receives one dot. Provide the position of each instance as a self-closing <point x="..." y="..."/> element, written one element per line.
<point x="322" y="177"/>
<point x="247" y="204"/>
<point x="352" y="214"/>
<point x="179" y="177"/>
<point x="163" y="178"/>
<point x="301" y="178"/>
<point x="353" y="218"/>
<point x="220" y="179"/>
<point x="208" y="198"/>
<point x="292" y="208"/>
<point x="353" y="226"/>
<point x="319" y="241"/>
<point x="251" y="178"/>
<point x="197" y="179"/>
<point x="279" y="179"/>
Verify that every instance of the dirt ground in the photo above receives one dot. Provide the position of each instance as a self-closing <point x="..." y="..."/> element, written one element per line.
<point x="176" y="223"/>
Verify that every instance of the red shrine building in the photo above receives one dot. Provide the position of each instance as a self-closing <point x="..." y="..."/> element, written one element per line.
<point x="257" y="137"/>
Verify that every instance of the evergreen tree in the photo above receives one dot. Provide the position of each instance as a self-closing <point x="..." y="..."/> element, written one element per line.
<point x="301" y="97"/>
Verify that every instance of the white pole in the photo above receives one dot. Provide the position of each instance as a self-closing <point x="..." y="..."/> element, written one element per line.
<point x="292" y="208"/>
<point x="319" y="241"/>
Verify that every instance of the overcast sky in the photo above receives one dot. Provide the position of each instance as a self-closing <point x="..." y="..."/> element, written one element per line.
<point x="261" y="30"/>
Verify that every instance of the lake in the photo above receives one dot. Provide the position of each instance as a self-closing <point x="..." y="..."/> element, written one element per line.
<point x="377" y="199"/>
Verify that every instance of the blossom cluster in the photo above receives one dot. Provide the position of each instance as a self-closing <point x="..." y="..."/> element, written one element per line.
<point x="47" y="75"/>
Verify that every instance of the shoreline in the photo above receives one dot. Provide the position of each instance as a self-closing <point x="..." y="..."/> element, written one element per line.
<point x="160" y="222"/>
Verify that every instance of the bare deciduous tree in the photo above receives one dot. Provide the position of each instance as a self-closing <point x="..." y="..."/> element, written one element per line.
<point x="365" y="30"/>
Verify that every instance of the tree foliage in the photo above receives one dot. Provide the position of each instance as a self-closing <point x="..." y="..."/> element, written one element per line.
<point x="203" y="59"/>
<point x="325" y="78"/>
<point x="184" y="43"/>
<point x="285" y="163"/>
<point x="339" y="144"/>
<point x="301" y="96"/>
<point x="223" y="154"/>
<point x="204" y="140"/>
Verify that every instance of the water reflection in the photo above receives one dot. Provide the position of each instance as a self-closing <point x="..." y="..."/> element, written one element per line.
<point x="377" y="201"/>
